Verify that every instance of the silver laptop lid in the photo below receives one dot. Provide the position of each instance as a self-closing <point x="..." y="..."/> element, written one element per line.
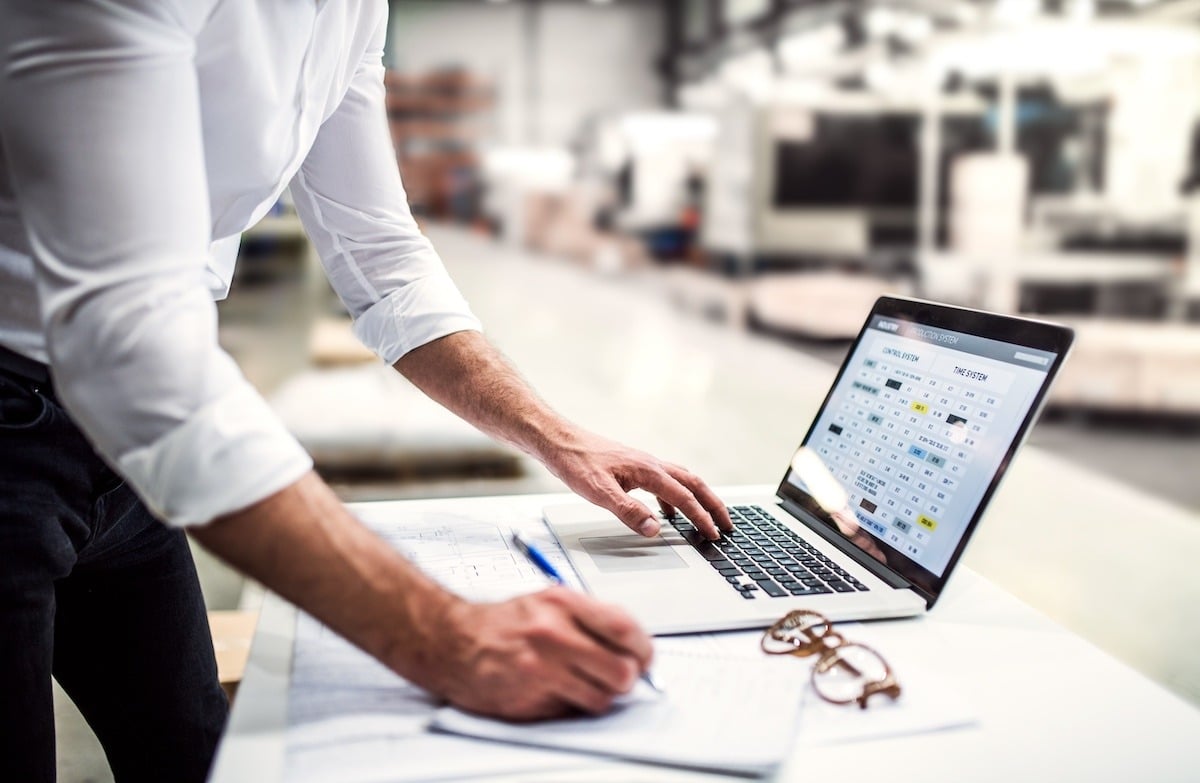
<point x="926" y="413"/>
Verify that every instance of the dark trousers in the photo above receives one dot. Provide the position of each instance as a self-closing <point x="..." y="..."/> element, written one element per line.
<point x="97" y="593"/>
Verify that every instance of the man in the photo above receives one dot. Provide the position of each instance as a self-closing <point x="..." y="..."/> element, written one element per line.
<point x="140" y="137"/>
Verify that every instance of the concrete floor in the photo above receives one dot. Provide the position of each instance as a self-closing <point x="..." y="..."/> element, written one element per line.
<point x="264" y="327"/>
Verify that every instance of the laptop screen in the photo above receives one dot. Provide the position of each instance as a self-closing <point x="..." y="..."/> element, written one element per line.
<point x="920" y="424"/>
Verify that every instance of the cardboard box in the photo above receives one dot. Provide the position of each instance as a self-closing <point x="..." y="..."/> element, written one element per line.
<point x="232" y="633"/>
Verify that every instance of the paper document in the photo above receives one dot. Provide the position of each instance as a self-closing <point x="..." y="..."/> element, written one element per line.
<point x="473" y="557"/>
<point x="930" y="677"/>
<point x="352" y="719"/>
<point x="932" y="698"/>
<point x="716" y="713"/>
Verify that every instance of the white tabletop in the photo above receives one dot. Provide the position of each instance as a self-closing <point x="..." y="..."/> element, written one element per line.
<point x="1050" y="706"/>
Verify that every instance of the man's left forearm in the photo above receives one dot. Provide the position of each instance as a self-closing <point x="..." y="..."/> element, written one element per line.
<point x="465" y="373"/>
<point x="469" y="376"/>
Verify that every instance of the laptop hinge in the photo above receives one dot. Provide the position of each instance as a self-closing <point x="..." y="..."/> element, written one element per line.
<point x="890" y="577"/>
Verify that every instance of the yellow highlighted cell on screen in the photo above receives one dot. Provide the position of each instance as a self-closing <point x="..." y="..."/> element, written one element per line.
<point x="926" y="522"/>
<point x="920" y="407"/>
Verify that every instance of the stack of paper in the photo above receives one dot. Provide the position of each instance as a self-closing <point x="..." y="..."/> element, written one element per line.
<point x="715" y="713"/>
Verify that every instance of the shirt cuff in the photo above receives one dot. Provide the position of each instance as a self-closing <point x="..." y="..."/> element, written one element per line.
<point x="411" y="316"/>
<point x="228" y="455"/>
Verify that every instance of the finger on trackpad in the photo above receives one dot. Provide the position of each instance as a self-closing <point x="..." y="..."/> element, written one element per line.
<point x="631" y="553"/>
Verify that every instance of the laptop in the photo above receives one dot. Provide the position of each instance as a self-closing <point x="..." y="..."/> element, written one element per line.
<point x="877" y="505"/>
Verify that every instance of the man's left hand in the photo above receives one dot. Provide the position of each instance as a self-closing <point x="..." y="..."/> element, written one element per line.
<point x="604" y="471"/>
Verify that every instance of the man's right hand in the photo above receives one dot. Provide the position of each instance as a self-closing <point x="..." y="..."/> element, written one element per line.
<point x="539" y="656"/>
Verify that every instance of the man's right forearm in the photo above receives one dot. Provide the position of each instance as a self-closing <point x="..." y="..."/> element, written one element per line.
<point x="303" y="544"/>
<point x="535" y="656"/>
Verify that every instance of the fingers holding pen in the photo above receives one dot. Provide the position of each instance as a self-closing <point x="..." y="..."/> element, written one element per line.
<point x="542" y="655"/>
<point x="612" y="628"/>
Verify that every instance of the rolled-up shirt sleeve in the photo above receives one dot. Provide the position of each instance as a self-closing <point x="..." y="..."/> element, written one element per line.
<point x="349" y="195"/>
<point x="100" y="121"/>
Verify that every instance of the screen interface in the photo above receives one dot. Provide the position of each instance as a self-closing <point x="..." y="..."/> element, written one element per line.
<point x="916" y="429"/>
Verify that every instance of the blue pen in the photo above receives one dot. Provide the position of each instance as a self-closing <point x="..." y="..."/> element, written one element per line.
<point x="546" y="567"/>
<point x="537" y="558"/>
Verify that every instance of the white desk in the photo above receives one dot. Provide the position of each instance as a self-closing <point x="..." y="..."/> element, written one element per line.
<point x="1050" y="705"/>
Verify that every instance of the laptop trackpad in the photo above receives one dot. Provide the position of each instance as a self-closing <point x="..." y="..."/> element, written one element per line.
<point x="631" y="553"/>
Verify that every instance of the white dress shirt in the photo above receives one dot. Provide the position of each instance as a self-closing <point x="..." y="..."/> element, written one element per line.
<point x="139" y="139"/>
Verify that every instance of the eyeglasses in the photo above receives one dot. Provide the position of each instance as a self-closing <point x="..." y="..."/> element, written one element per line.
<point x="844" y="672"/>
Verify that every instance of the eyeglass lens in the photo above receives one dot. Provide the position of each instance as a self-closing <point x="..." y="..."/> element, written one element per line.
<point x="844" y="672"/>
<point x="842" y="675"/>
<point x="801" y="633"/>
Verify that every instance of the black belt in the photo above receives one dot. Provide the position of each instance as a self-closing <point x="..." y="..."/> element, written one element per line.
<point x="23" y="367"/>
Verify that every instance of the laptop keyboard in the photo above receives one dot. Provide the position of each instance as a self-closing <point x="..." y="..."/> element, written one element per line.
<point x="762" y="558"/>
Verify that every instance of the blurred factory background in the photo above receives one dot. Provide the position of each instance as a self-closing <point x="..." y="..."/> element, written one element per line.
<point x="671" y="213"/>
<point x="774" y="165"/>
